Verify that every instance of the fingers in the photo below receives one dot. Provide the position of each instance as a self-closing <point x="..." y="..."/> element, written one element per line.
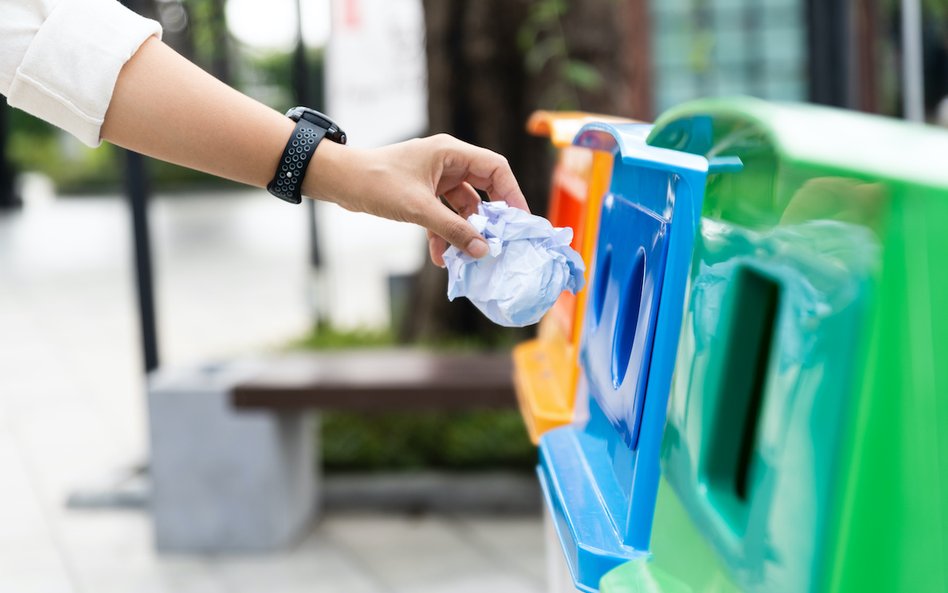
<point x="436" y="248"/>
<point x="450" y="227"/>
<point x="464" y="199"/>
<point x="491" y="172"/>
<point x="481" y="168"/>
<point x="465" y="167"/>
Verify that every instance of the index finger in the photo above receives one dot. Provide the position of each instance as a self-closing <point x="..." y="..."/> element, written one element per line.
<point x="490" y="172"/>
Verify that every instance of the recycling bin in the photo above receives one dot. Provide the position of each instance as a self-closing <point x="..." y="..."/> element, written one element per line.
<point x="599" y="476"/>
<point x="806" y="446"/>
<point x="546" y="368"/>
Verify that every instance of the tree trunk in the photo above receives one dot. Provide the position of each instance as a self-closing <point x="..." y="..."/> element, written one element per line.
<point x="481" y="91"/>
<point x="636" y="61"/>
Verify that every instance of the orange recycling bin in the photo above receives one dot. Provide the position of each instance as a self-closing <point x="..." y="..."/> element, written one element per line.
<point x="546" y="368"/>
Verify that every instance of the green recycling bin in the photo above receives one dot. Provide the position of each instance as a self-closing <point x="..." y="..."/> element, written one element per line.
<point x="806" y="445"/>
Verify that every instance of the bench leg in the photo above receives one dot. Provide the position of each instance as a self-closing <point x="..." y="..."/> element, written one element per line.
<point x="223" y="480"/>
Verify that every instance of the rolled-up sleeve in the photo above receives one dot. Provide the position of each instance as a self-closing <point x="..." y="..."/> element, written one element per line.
<point x="60" y="59"/>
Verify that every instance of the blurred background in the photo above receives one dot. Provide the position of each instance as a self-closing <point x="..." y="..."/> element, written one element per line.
<point x="112" y="265"/>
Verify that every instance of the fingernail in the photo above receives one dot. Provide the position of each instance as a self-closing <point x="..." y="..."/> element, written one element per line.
<point x="477" y="248"/>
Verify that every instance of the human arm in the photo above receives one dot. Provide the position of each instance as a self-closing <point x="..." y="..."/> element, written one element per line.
<point x="96" y="70"/>
<point x="170" y="109"/>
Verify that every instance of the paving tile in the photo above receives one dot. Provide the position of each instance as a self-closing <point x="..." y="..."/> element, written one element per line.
<point x="71" y="408"/>
<point x="403" y="551"/>
<point x="516" y="542"/>
<point x="411" y="553"/>
<point x="112" y="552"/>
<point x="30" y="558"/>
<point x="315" y="566"/>
<point x="495" y="583"/>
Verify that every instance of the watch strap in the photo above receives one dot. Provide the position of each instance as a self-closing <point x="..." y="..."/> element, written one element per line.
<point x="288" y="181"/>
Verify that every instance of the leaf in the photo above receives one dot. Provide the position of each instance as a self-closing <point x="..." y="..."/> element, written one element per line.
<point x="582" y="75"/>
<point x="543" y="52"/>
<point x="526" y="38"/>
<point x="548" y="11"/>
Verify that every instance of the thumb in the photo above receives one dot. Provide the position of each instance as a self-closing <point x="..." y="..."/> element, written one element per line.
<point x="455" y="230"/>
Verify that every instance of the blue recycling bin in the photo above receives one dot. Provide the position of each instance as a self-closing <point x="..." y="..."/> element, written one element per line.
<point x="600" y="476"/>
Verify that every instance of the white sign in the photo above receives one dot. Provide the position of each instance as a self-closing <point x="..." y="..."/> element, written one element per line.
<point x="376" y="74"/>
<point x="376" y="88"/>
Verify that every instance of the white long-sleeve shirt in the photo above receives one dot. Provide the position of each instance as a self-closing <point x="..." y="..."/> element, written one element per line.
<point x="59" y="59"/>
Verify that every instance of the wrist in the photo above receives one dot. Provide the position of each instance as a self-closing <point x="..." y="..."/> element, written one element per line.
<point x="328" y="167"/>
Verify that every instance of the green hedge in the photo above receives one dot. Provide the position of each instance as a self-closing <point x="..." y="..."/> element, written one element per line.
<point x="458" y="441"/>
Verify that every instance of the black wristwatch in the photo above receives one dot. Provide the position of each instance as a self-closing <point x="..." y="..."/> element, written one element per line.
<point x="311" y="127"/>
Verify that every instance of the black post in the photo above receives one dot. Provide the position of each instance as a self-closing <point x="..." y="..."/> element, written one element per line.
<point x="128" y="491"/>
<point x="136" y="188"/>
<point x="8" y="197"/>
<point x="137" y="191"/>
<point x="301" y="88"/>
<point x="829" y="29"/>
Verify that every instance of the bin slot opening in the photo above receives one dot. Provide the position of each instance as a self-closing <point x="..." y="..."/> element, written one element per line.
<point x="601" y="284"/>
<point x="743" y="381"/>
<point x="630" y="308"/>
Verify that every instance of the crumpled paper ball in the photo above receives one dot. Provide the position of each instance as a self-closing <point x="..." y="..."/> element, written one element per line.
<point x="529" y="264"/>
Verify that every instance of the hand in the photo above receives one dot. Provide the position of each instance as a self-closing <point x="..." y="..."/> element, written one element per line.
<point x="404" y="181"/>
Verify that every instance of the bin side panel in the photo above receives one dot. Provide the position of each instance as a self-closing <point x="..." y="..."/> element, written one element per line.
<point x="772" y="351"/>
<point x="893" y="508"/>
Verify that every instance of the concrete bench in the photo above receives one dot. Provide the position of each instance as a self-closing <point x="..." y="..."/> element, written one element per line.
<point x="233" y="446"/>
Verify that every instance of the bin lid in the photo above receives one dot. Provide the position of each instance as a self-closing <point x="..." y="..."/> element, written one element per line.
<point x="848" y="141"/>
<point x="561" y="127"/>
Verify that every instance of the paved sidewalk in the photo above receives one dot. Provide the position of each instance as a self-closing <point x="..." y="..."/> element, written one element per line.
<point x="231" y="279"/>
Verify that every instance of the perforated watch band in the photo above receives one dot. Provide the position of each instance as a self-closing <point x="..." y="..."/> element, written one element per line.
<point x="288" y="180"/>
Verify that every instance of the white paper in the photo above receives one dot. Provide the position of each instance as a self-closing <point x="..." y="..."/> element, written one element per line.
<point x="529" y="265"/>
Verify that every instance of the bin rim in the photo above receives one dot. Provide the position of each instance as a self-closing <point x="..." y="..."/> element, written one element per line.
<point x="626" y="142"/>
<point x="864" y="145"/>
<point x="561" y="127"/>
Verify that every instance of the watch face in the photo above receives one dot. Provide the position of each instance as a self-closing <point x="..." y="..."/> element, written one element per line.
<point x="315" y="117"/>
<point x="333" y="132"/>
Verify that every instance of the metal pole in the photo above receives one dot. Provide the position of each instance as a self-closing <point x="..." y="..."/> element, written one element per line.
<point x="136" y="189"/>
<point x="913" y="83"/>
<point x="8" y="197"/>
<point x="301" y="88"/>
<point x="131" y="490"/>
